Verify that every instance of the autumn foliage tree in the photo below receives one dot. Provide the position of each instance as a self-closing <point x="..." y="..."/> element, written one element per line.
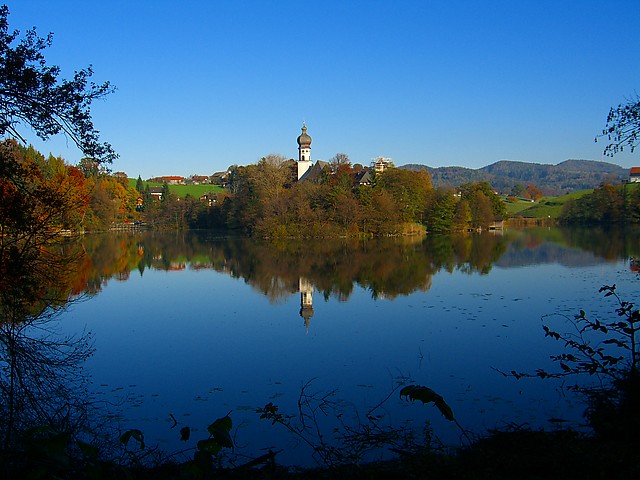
<point x="534" y="192"/>
<point x="409" y="190"/>
<point x="484" y="204"/>
<point x="39" y="197"/>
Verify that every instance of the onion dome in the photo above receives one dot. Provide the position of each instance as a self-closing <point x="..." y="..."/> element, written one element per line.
<point x="304" y="140"/>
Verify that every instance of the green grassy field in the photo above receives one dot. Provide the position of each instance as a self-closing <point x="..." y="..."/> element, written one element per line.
<point x="546" y="207"/>
<point x="183" y="190"/>
<point x="514" y="208"/>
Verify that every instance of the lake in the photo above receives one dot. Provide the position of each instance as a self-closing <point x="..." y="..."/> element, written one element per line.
<point x="188" y="327"/>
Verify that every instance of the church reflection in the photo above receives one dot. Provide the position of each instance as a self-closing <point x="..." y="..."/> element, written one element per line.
<point x="306" y="301"/>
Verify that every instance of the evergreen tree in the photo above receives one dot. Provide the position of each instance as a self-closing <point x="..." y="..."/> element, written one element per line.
<point x="165" y="192"/>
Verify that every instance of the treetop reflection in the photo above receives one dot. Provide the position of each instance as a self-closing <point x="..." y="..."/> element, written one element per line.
<point x="387" y="267"/>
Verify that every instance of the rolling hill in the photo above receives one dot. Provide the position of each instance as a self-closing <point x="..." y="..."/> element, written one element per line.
<point x="565" y="177"/>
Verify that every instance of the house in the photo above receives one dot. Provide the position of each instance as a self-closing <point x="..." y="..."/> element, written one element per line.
<point x="309" y="171"/>
<point x="220" y="178"/>
<point x="173" y="180"/>
<point x="200" y="179"/>
<point x="169" y="179"/>
<point x="156" y="192"/>
<point x="497" y="224"/>
<point x="362" y="178"/>
<point x="634" y="174"/>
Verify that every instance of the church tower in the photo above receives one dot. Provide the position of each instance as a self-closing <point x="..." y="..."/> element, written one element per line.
<point x="304" y="152"/>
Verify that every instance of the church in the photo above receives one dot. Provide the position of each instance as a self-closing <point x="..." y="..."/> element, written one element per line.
<point x="306" y="169"/>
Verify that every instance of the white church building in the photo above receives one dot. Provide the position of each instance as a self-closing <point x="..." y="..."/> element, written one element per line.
<point x="307" y="170"/>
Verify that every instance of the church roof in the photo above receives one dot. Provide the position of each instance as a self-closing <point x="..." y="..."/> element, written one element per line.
<point x="315" y="171"/>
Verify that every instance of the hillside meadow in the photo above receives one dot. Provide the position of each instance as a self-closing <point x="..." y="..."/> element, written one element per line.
<point x="181" y="191"/>
<point x="546" y="207"/>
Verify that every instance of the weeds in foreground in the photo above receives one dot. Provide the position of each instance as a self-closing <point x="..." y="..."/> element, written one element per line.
<point x="354" y="437"/>
<point x="608" y="350"/>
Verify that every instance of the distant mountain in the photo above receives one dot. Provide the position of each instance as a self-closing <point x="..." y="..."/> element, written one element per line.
<point x="565" y="177"/>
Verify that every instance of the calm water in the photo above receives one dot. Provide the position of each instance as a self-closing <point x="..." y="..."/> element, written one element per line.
<point x="194" y="326"/>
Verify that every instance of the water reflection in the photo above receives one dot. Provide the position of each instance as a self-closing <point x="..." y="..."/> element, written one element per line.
<point x="41" y="380"/>
<point x="184" y="317"/>
<point x="387" y="267"/>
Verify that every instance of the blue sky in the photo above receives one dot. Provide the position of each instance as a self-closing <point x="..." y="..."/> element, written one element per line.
<point x="202" y="85"/>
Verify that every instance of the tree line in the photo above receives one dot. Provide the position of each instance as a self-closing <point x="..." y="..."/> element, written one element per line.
<point x="48" y="193"/>
<point x="608" y="204"/>
<point x="264" y="199"/>
<point x="267" y="200"/>
<point x="43" y="195"/>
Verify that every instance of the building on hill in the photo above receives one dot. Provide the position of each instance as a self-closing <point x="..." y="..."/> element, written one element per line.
<point x="169" y="179"/>
<point x="200" y="179"/>
<point x="307" y="170"/>
<point x="173" y="180"/>
<point x="380" y="164"/>
<point x="363" y="177"/>
<point x="155" y="192"/>
<point x="634" y="174"/>
<point x="220" y="178"/>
